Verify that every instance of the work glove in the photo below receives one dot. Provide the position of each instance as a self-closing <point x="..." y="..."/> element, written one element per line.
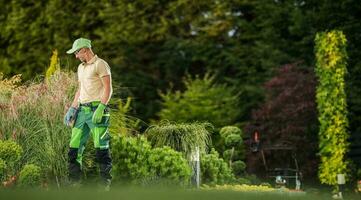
<point x="69" y="116"/>
<point x="98" y="113"/>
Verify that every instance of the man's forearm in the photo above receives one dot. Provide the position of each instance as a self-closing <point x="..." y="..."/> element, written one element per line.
<point x="108" y="89"/>
<point x="106" y="96"/>
<point x="76" y="99"/>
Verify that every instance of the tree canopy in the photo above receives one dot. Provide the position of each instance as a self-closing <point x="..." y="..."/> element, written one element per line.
<point x="152" y="44"/>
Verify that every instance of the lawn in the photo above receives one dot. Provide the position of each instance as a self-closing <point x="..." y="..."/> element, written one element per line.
<point x="157" y="194"/>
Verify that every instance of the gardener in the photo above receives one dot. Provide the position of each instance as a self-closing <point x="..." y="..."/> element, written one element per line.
<point x="89" y="113"/>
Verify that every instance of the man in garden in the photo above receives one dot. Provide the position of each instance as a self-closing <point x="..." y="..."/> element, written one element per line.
<point x="89" y="113"/>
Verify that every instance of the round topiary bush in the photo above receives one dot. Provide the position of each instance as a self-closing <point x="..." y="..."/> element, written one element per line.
<point x="30" y="176"/>
<point x="230" y="130"/>
<point x="214" y="169"/>
<point x="233" y="140"/>
<point x="235" y="151"/>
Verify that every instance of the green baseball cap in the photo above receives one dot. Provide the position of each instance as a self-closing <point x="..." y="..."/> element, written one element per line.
<point x="78" y="44"/>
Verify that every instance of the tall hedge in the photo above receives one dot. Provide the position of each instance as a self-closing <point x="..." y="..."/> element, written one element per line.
<point x="331" y="69"/>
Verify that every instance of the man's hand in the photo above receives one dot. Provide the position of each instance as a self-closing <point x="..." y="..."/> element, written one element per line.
<point x="98" y="113"/>
<point x="69" y="115"/>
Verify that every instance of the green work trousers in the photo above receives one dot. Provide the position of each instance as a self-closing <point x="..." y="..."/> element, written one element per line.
<point x="82" y="130"/>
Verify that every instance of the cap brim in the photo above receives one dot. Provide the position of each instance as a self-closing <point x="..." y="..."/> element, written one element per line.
<point x="70" y="51"/>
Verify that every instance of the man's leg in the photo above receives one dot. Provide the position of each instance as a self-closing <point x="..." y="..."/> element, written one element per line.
<point x="79" y="137"/>
<point x="101" y="143"/>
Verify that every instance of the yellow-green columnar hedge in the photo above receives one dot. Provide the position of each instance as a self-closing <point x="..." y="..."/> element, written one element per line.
<point x="331" y="59"/>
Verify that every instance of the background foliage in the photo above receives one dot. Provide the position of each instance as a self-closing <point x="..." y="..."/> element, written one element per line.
<point x="202" y="100"/>
<point x="150" y="44"/>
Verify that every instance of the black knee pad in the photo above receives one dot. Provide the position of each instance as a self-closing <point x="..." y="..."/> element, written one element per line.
<point x="103" y="156"/>
<point x="74" y="167"/>
<point x="105" y="163"/>
<point x="73" y="155"/>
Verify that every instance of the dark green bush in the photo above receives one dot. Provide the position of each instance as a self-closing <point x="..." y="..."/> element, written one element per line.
<point x="215" y="170"/>
<point x="238" y="166"/>
<point x="30" y="176"/>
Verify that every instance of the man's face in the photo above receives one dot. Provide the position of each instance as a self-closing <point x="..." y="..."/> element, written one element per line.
<point x="80" y="54"/>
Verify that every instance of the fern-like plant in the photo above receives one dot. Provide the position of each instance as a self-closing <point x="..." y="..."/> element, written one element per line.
<point x="183" y="137"/>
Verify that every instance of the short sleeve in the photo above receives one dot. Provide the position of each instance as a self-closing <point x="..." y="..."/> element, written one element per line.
<point x="103" y="68"/>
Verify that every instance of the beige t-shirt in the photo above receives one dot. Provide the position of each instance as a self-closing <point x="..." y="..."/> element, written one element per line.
<point x="89" y="76"/>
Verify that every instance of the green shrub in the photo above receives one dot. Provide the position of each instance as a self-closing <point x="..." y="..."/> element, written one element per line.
<point x="10" y="152"/>
<point x="215" y="170"/>
<point x="2" y="169"/>
<point x="170" y="164"/>
<point x="130" y="157"/>
<point x="134" y="160"/>
<point x="238" y="166"/>
<point x="30" y="176"/>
